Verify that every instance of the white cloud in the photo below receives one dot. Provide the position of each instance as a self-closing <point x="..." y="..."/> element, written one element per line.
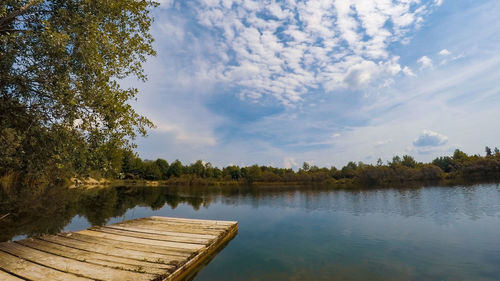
<point x="408" y="71"/>
<point x="290" y="162"/>
<point x="425" y="62"/>
<point x="444" y="52"/>
<point x="428" y="138"/>
<point x="283" y="49"/>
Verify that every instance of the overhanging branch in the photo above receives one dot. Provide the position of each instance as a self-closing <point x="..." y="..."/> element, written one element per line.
<point x="9" y="18"/>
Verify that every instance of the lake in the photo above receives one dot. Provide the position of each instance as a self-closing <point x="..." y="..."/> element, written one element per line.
<point x="307" y="233"/>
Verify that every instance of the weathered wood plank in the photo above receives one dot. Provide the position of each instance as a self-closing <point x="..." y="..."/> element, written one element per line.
<point x="4" y="276"/>
<point x="152" y="236"/>
<point x="95" y="258"/>
<point x="129" y="245"/>
<point x="210" y="225"/>
<point x="87" y="270"/>
<point x="161" y="232"/>
<point x="33" y="271"/>
<point x="174" y="227"/>
<point x="108" y="250"/>
<point x="200" y="229"/>
<point x="200" y="221"/>
<point x="116" y="237"/>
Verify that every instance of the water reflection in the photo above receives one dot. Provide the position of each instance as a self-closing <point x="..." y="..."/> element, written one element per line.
<point x="298" y="233"/>
<point x="49" y="211"/>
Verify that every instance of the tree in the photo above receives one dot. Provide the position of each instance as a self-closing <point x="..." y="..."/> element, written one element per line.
<point x="306" y="166"/>
<point x="234" y="172"/>
<point x="460" y="156"/>
<point x="208" y="170"/>
<point x="445" y="163"/>
<point x="253" y="173"/>
<point x="396" y="161"/>
<point x="334" y="173"/>
<point x="162" y="164"/>
<point x="197" y="168"/>
<point x="151" y="170"/>
<point x="349" y="170"/>
<point x="497" y="151"/>
<point x="175" y="169"/>
<point x="60" y="64"/>
<point x="488" y="151"/>
<point x="409" y="161"/>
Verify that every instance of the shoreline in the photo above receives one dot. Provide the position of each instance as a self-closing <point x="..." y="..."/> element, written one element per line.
<point x="343" y="184"/>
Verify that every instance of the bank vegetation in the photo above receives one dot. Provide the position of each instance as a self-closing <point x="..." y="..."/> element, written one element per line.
<point x="457" y="168"/>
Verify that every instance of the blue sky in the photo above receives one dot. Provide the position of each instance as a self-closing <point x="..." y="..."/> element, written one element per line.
<point x="283" y="82"/>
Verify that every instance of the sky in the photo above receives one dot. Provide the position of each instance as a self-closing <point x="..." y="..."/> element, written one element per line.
<point x="326" y="82"/>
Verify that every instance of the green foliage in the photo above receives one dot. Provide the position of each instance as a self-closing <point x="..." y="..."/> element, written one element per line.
<point x="349" y="170"/>
<point x="254" y="173"/>
<point x="162" y="165"/>
<point x="175" y="169"/>
<point x="63" y="110"/>
<point x="396" y="161"/>
<point x="409" y="161"/>
<point x="446" y="163"/>
<point x="233" y="172"/>
<point x="132" y="165"/>
<point x="398" y="171"/>
<point x="151" y="171"/>
<point x="197" y="168"/>
<point x="306" y="166"/>
<point x="460" y="156"/>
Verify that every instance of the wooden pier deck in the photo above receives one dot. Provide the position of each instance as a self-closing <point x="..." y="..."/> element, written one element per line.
<point x="154" y="248"/>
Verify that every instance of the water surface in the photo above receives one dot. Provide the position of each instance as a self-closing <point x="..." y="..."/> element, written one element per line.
<point x="432" y="233"/>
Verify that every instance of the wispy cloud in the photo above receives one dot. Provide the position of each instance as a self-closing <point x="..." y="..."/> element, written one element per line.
<point x="184" y="136"/>
<point x="383" y="143"/>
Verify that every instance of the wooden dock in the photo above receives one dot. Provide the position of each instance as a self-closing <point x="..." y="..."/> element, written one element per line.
<point x="154" y="248"/>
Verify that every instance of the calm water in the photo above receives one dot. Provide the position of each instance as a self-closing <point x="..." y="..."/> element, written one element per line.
<point x="433" y="233"/>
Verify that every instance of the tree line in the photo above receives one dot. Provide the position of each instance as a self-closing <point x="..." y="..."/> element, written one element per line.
<point x="459" y="166"/>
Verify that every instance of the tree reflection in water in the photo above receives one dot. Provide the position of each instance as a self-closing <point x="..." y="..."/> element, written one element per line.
<point x="49" y="211"/>
<point x="33" y="212"/>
